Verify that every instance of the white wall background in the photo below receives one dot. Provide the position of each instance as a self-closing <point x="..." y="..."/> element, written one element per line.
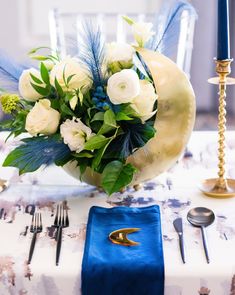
<point x="24" y="24"/>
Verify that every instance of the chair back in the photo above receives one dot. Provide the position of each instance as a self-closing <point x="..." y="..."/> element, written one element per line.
<point x="65" y="29"/>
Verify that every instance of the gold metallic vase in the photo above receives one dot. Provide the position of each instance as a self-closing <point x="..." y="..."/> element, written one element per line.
<point x="174" y="122"/>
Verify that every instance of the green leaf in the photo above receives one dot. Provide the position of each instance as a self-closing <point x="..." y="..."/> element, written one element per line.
<point x="82" y="167"/>
<point x="83" y="163"/>
<point x="109" y="118"/>
<point x="69" y="78"/>
<point x="99" y="154"/>
<point x="44" y="91"/>
<point x="83" y="154"/>
<point x="128" y="110"/>
<point x="66" y="110"/>
<point x="123" y="117"/>
<point x="98" y="117"/>
<point x="89" y="111"/>
<point x="55" y="103"/>
<point x="34" y="50"/>
<point x="39" y="57"/>
<point x="44" y="74"/>
<point x="116" y="175"/>
<point x="105" y="129"/>
<point x="58" y="88"/>
<point x="6" y="125"/>
<point x="96" y="142"/>
<point x="128" y="20"/>
<point x="109" y="122"/>
<point x="35" y="79"/>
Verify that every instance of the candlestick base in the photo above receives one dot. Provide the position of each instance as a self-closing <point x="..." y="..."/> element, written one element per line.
<point x="214" y="188"/>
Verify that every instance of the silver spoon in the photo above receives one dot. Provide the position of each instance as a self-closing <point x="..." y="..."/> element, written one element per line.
<point x="202" y="217"/>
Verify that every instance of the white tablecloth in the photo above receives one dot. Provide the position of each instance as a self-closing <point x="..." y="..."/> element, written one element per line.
<point x="176" y="191"/>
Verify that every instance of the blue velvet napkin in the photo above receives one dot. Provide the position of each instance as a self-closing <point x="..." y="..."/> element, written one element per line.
<point x="111" y="269"/>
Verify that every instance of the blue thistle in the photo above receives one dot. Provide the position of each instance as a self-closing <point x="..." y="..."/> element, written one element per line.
<point x="101" y="100"/>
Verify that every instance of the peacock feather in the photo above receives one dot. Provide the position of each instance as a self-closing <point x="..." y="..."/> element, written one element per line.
<point x="92" y="52"/>
<point x="10" y="73"/>
<point x="167" y="26"/>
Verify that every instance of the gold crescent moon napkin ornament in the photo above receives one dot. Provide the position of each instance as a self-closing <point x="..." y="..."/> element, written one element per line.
<point x="120" y="236"/>
<point x="174" y="122"/>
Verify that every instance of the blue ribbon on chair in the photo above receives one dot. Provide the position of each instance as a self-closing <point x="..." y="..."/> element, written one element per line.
<point x="113" y="269"/>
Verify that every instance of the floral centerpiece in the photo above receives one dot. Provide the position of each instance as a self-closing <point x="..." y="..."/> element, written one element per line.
<point x="114" y="115"/>
<point x="95" y="109"/>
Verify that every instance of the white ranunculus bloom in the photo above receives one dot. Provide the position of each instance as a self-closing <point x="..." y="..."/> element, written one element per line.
<point x="25" y="88"/>
<point x="75" y="134"/>
<point x="119" y="52"/>
<point x="67" y="67"/>
<point x="42" y="119"/>
<point x="143" y="103"/>
<point x="123" y="86"/>
<point x="142" y="32"/>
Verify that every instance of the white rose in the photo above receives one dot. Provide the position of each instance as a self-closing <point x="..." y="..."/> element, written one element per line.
<point x="42" y="119"/>
<point x="119" y="53"/>
<point x="143" y="103"/>
<point x="142" y="32"/>
<point x="123" y="86"/>
<point x="75" y="134"/>
<point x="25" y="88"/>
<point x="67" y="67"/>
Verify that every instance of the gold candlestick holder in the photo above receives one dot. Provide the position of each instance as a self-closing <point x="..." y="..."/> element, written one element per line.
<point x="221" y="187"/>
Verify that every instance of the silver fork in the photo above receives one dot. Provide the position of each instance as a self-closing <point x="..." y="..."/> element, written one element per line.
<point x="61" y="221"/>
<point x="35" y="228"/>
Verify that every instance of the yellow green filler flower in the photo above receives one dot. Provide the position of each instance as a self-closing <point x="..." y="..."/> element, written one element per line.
<point x="9" y="102"/>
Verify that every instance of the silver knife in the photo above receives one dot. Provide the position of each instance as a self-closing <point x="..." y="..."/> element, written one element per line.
<point x="178" y="225"/>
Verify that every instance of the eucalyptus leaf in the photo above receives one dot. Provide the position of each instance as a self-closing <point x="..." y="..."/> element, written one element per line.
<point x="116" y="175"/>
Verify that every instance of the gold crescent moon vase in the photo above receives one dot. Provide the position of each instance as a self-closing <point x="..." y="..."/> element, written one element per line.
<point x="174" y="122"/>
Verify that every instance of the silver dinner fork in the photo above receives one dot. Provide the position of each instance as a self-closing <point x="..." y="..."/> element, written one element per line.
<point x="35" y="228"/>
